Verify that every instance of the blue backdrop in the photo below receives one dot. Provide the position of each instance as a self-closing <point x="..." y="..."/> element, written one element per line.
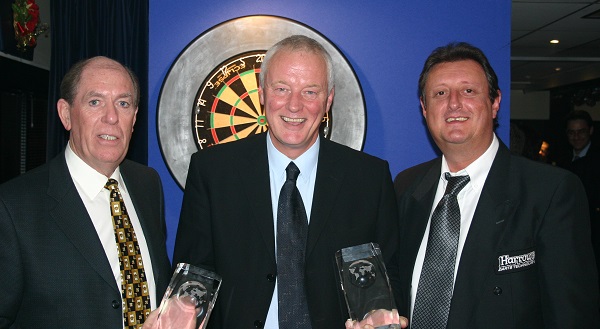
<point x="386" y="42"/>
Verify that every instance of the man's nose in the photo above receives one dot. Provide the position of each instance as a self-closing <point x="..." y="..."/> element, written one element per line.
<point x="111" y="115"/>
<point x="454" y="101"/>
<point x="295" y="103"/>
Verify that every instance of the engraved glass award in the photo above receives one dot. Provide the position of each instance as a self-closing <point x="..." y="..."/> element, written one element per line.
<point x="364" y="281"/>
<point x="189" y="299"/>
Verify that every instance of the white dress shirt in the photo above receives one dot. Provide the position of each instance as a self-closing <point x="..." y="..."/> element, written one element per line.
<point x="467" y="198"/>
<point x="90" y="186"/>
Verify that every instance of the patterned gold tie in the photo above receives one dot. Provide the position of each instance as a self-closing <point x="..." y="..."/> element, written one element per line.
<point x="134" y="286"/>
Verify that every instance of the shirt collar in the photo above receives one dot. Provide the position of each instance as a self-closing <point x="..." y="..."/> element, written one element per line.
<point x="583" y="151"/>
<point x="307" y="162"/>
<point x="89" y="180"/>
<point x="478" y="169"/>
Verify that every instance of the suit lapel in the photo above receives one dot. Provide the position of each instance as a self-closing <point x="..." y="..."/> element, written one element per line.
<point x="423" y="196"/>
<point x="254" y="175"/>
<point x="328" y="181"/>
<point x="145" y="211"/>
<point x="478" y="257"/>
<point x="68" y="211"/>
<point x="413" y="225"/>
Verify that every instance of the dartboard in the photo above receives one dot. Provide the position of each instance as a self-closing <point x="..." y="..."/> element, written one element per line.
<point x="227" y="106"/>
<point x="210" y="94"/>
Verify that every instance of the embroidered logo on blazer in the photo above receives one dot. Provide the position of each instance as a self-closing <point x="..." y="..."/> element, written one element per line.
<point x="513" y="263"/>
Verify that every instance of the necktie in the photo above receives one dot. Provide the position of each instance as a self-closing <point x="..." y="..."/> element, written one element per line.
<point x="432" y="304"/>
<point x="292" y="228"/>
<point x="134" y="287"/>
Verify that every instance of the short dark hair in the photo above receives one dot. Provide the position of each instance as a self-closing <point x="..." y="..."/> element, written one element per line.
<point x="580" y="115"/>
<point x="70" y="82"/>
<point x="459" y="51"/>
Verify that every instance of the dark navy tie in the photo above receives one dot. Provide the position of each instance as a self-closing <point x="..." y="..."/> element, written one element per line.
<point x="292" y="228"/>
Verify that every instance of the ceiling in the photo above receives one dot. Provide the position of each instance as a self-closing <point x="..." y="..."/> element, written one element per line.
<point x="536" y="64"/>
<point x="533" y="59"/>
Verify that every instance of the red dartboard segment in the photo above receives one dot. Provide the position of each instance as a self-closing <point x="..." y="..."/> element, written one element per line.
<point x="235" y="110"/>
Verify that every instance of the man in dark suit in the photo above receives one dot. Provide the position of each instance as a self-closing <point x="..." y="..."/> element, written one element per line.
<point x="584" y="161"/>
<point x="523" y="253"/>
<point x="229" y="219"/>
<point x="58" y="248"/>
<point x="580" y="129"/>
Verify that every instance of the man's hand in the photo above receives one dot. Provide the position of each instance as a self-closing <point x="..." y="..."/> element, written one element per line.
<point x="378" y="318"/>
<point x="177" y="313"/>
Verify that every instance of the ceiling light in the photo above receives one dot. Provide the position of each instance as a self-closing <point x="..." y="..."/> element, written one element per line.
<point x="555" y="41"/>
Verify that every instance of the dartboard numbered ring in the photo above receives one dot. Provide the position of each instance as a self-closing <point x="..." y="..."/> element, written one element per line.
<point x="210" y="94"/>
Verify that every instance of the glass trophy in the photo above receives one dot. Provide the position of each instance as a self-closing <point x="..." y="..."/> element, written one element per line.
<point x="189" y="299"/>
<point x="364" y="281"/>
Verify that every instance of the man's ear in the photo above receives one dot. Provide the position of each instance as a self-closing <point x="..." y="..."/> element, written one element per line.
<point x="330" y="99"/>
<point x="134" y="118"/>
<point x="64" y="113"/>
<point x="496" y="105"/>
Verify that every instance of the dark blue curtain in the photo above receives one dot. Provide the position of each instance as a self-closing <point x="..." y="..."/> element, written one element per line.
<point x="113" y="28"/>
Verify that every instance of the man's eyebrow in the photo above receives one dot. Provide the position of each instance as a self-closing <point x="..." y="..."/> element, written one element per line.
<point x="99" y="94"/>
<point x="94" y="94"/>
<point x="125" y="95"/>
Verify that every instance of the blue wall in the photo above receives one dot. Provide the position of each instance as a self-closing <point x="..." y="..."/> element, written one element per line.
<point x="386" y="42"/>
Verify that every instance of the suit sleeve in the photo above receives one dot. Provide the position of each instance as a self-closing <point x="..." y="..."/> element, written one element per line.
<point x="11" y="280"/>
<point x="568" y="277"/>
<point x="194" y="244"/>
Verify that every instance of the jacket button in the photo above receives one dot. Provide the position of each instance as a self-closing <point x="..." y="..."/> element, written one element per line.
<point x="116" y="304"/>
<point x="259" y="324"/>
<point x="271" y="277"/>
<point x="497" y="291"/>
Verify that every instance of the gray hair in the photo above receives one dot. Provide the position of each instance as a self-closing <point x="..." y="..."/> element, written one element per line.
<point x="298" y="43"/>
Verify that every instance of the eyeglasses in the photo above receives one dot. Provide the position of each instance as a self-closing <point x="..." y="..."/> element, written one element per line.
<point x="578" y="132"/>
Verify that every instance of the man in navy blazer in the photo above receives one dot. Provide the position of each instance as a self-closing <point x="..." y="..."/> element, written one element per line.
<point x="228" y="220"/>
<point x="58" y="253"/>
<point x="524" y="255"/>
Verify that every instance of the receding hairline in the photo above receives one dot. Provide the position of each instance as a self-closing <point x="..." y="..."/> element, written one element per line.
<point x="102" y="62"/>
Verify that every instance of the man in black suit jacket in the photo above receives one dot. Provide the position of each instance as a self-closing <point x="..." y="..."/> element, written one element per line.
<point x="228" y="219"/>
<point x="58" y="254"/>
<point x="579" y="131"/>
<point x="524" y="255"/>
<point x="584" y="160"/>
